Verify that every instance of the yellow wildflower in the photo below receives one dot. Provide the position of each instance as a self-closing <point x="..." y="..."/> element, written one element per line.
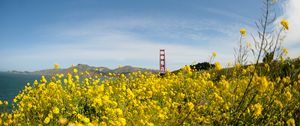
<point x="257" y="110"/>
<point x="263" y="84"/>
<point x="56" y="66"/>
<point x="77" y="77"/>
<point x="243" y="31"/>
<point x="285" y="24"/>
<point x="237" y="66"/>
<point x="122" y="121"/>
<point x="5" y="103"/>
<point x="149" y="99"/>
<point x="162" y="116"/>
<point x="285" y="51"/>
<point x="79" y="124"/>
<point x="55" y="110"/>
<point x="75" y="70"/>
<point x="187" y="68"/>
<point x="150" y="124"/>
<point x="190" y="106"/>
<point x="86" y="120"/>
<point x="181" y="95"/>
<point x="119" y="112"/>
<point x="218" y="98"/>
<point x="43" y="80"/>
<point x="291" y="122"/>
<point x="63" y="121"/>
<point x="1" y="102"/>
<point x="130" y="94"/>
<point x="218" y="66"/>
<point x="214" y="54"/>
<point x="47" y="120"/>
<point x="288" y="95"/>
<point x="71" y="124"/>
<point x="279" y="104"/>
<point x="29" y="105"/>
<point x="267" y="67"/>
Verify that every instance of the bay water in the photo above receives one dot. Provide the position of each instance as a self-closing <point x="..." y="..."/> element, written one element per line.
<point x="11" y="84"/>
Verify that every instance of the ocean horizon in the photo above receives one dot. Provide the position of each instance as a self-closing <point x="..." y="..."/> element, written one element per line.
<point x="11" y="84"/>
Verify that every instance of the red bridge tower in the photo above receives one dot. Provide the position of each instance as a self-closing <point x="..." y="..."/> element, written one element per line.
<point x="162" y="61"/>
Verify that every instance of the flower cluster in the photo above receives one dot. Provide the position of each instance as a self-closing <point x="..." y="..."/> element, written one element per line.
<point x="243" y="31"/>
<point x="185" y="98"/>
<point x="285" y="24"/>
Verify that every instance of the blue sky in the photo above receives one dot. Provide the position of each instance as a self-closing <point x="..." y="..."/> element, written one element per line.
<point x="35" y="34"/>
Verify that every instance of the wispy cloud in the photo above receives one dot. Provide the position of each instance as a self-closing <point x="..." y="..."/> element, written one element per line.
<point x="133" y="40"/>
<point x="115" y="36"/>
<point x="168" y="28"/>
<point x="230" y="15"/>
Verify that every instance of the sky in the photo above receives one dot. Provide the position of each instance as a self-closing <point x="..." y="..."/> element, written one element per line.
<point x="35" y="34"/>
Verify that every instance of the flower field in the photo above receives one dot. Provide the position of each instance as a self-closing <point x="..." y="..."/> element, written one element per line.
<point x="185" y="98"/>
<point x="263" y="92"/>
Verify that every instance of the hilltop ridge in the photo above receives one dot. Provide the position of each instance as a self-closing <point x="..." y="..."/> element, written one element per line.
<point x="91" y="69"/>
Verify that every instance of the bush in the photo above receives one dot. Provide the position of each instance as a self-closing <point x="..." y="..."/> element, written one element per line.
<point x="185" y="98"/>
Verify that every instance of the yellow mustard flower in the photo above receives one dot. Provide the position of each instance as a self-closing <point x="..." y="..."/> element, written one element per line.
<point x="47" y="120"/>
<point x="263" y="84"/>
<point x="243" y="31"/>
<point x="122" y="121"/>
<point x="63" y="121"/>
<point x="190" y="106"/>
<point x="56" y="66"/>
<point x="6" y="103"/>
<point x="285" y="51"/>
<point x="218" y="66"/>
<point x="218" y="97"/>
<point x="214" y="54"/>
<point x="144" y="98"/>
<point x="181" y="95"/>
<point x="291" y="122"/>
<point x="75" y="70"/>
<point x="288" y="95"/>
<point x="44" y="80"/>
<point x="86" y="120"/>
<point x="279" y="103"/>
<point x="55" y="110"/>
<point x="285" y="24"/>
<point x="257" y="109"/>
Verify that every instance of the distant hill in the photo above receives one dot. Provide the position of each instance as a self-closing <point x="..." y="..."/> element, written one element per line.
<point x="90" y="69"/>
